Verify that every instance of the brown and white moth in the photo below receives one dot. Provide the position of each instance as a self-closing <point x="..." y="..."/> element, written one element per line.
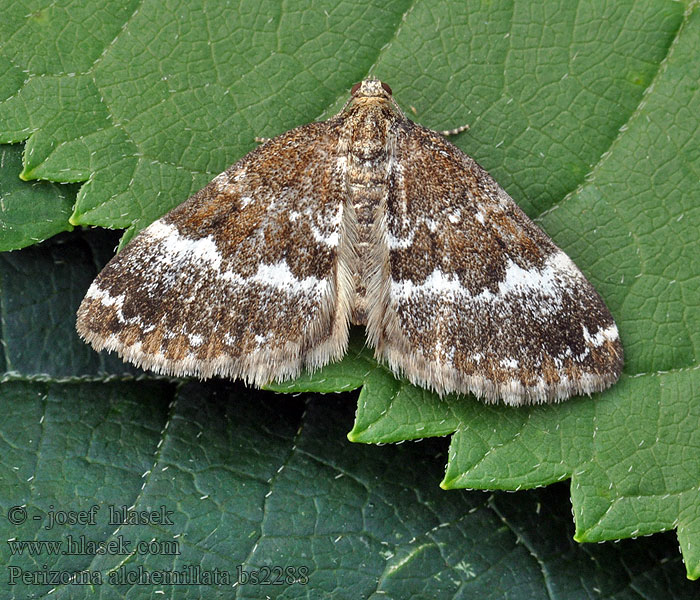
<point x="365" y="218"/>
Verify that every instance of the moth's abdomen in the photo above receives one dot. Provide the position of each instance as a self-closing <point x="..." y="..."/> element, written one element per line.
<point x="368" y="186"/>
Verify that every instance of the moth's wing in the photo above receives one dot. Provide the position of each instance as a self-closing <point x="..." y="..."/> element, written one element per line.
<point x="240" y="280"/>
<point x="478" y="298"/>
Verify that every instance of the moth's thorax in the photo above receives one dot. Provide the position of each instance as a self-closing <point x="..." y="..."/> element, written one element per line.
<point x="367" y="133"/>
<point x="369" y="130"/>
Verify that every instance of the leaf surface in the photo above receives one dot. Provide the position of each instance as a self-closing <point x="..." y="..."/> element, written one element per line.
<point x="586" y="114"/>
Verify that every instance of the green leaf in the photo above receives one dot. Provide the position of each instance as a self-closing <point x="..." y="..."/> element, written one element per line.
<point x="29" y="212"/>
<point x="586" y="113"/>
<point x="248" y="480"/>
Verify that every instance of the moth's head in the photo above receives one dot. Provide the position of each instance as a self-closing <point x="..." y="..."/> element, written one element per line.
<point x="371" y="88"/>
<point x="371" y="94"/>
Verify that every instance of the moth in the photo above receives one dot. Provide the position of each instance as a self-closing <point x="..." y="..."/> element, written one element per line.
<point x="370" y="219"/>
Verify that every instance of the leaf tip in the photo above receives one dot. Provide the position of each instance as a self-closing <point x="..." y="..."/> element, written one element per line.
<point x="449" y="482"/>
<point x="692" y="571"/>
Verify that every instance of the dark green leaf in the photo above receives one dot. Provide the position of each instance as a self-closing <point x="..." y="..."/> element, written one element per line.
<point x="254" y="480"/>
